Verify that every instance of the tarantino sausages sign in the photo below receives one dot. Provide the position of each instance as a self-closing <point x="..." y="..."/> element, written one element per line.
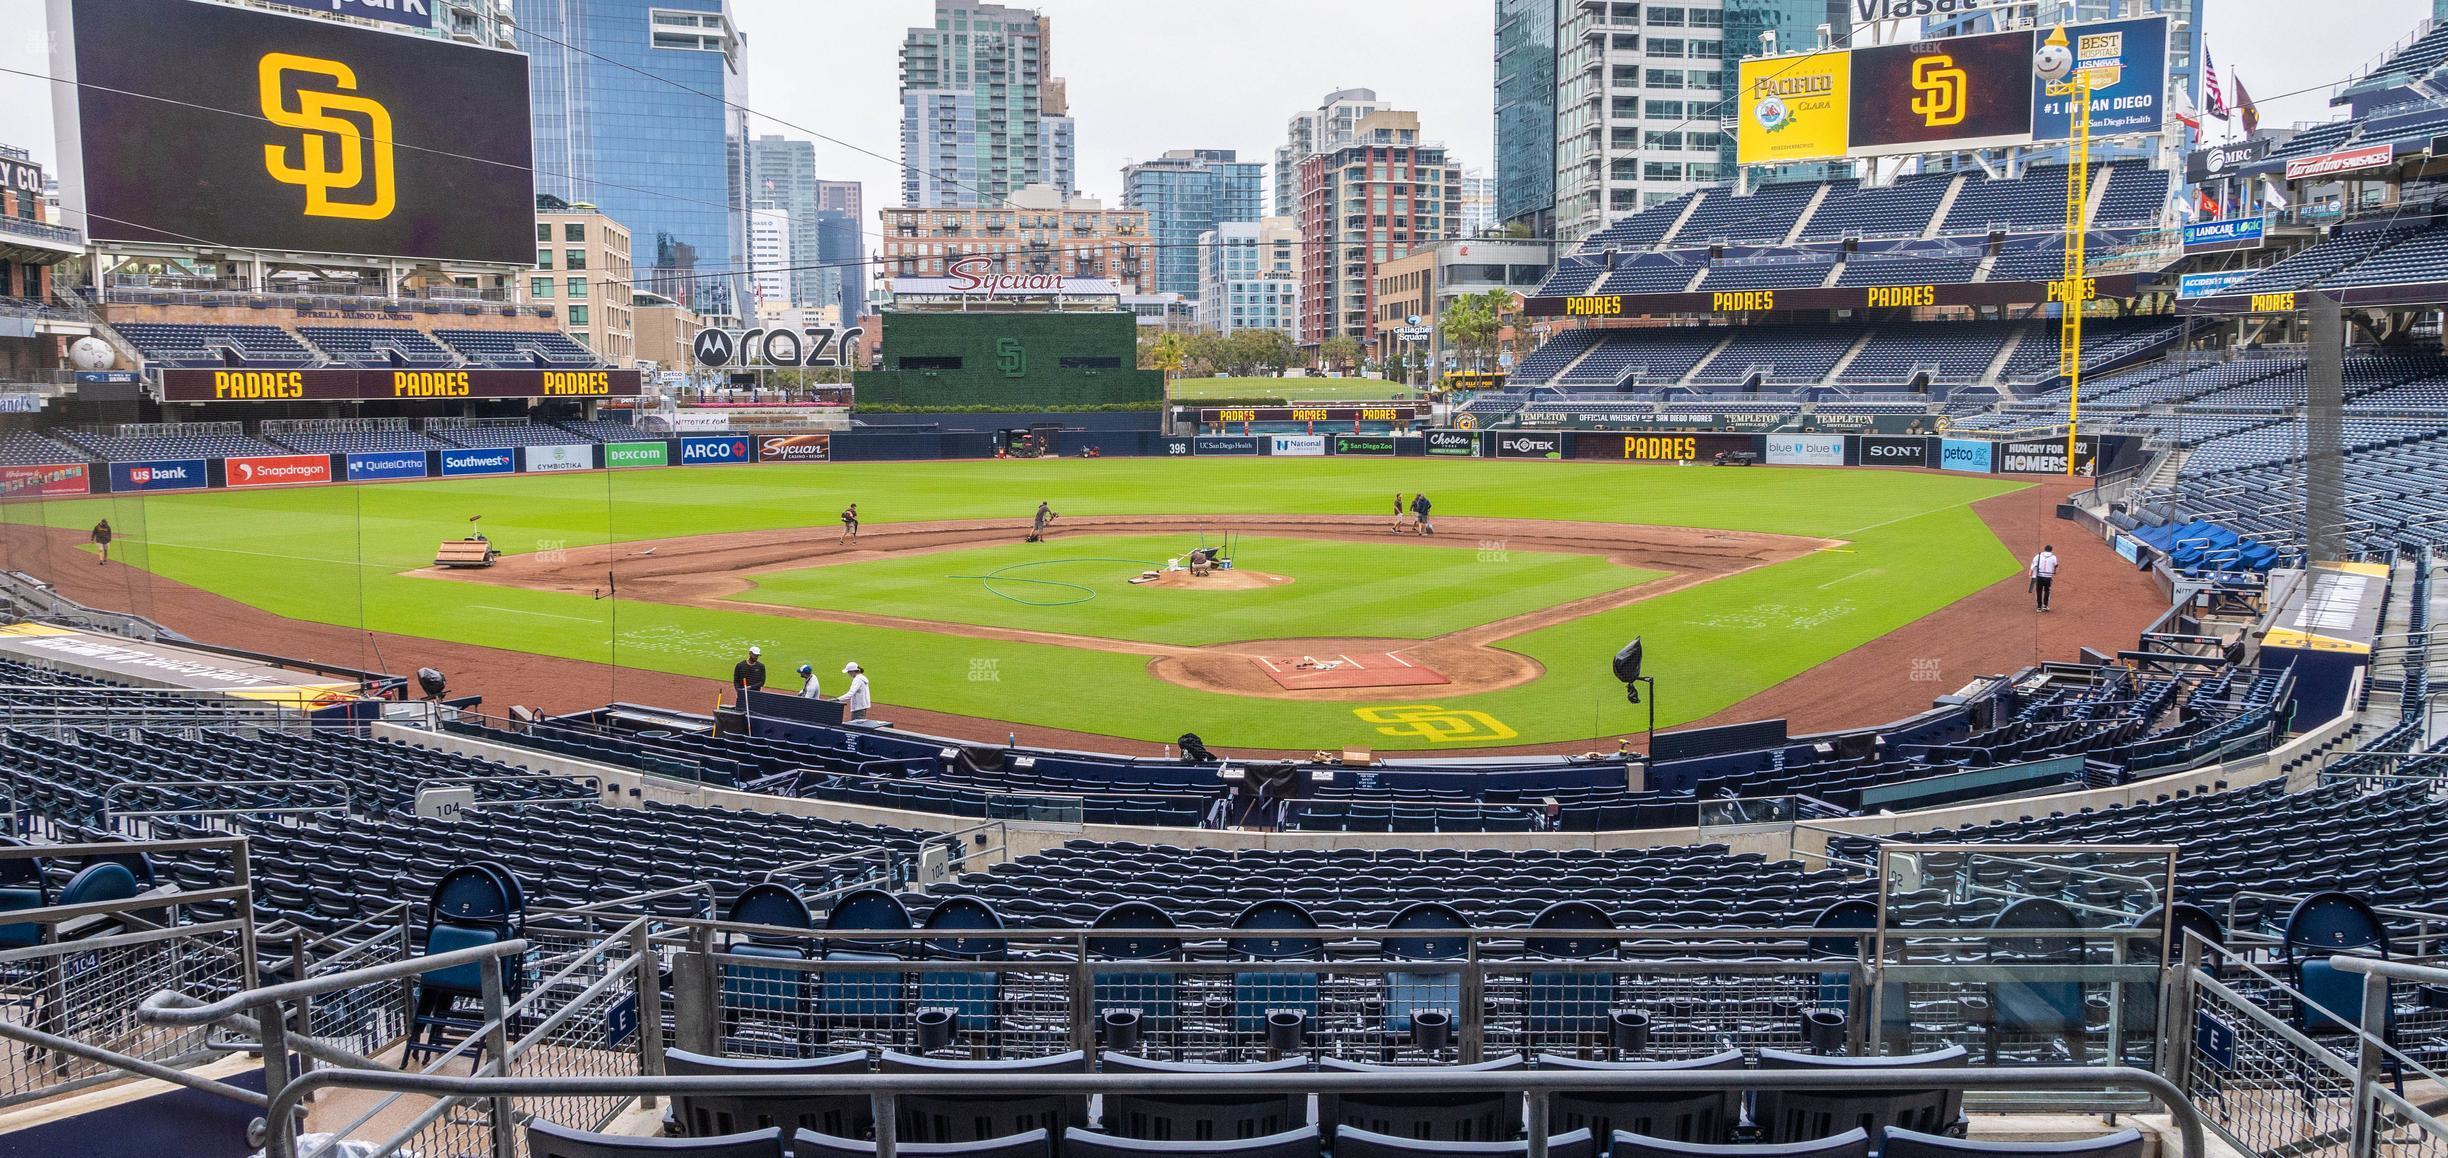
<point x="378" y="385"/>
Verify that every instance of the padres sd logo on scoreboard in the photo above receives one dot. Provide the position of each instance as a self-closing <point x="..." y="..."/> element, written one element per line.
<point x="346" y="147"/>
<point x="1938" y="90"/>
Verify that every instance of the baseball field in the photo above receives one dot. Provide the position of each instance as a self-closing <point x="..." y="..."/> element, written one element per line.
<point x="1328" y="631"/>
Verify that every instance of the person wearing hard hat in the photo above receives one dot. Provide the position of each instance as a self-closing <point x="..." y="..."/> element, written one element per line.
<point x="809" y="690"/>
<point x="748" y="675"/>
<point x="854" y="701"/>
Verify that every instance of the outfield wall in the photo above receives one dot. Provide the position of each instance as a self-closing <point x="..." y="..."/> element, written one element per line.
<point x="2094" y="454"/>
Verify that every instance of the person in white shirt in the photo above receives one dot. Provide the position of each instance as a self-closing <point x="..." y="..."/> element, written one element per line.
<point x="810" y="690"/>
<point x="2043" y="575"/>
<point x="854" y="701"/>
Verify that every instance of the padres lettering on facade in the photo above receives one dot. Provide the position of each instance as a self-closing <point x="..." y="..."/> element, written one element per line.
<point x="2273" y="303"/>
<point x="1732" y="301"/>
<point x="429" y="384"/>
<point x="1597" y="306"/>
<point x="256" y="385"/>
<point x="2063" y="291"/>
<point x="1902" y="295"/>
<point x="579" y="383"/>
<point x="1664" y="449"/>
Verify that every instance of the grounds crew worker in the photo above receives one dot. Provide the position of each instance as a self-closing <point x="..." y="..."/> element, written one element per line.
<point x="748" y="675"/>
<point x="1037" y="526"/>
<point x="2043" y="576"/>
<point x="102" y="538"/>
<point x="809" y="690"/>
<point x="854" y="701"/>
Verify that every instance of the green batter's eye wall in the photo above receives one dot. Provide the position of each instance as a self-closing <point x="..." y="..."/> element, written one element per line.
<point x="1024" y="361"/>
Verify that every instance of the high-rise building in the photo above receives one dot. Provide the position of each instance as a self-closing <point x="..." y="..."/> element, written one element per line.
<point x="981" y="113"/>
<point x="1478" y="204"/>
<point x="1361" y="205"/>
<point x="640" y="107"/>
<point x="1034" y="231"/>
<point x="771" y="230"/>
<point x="1249" y="276"/>
<point x="1186" y="193"/>
<point x="1638" y="95"/>
<point x="1526" y="114"/>
<point x="583" y="271"/>
<point x="828" y="260"/>
<point x="1322" y="129"/>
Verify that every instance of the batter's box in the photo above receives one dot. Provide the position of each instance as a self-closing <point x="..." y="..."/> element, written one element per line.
<point x="1358" y="669"/>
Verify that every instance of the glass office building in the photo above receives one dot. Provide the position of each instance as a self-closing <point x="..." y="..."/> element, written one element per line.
<point x="1186" y="193"/>
<point x="1526" y="114"/>
<point x="630" y="115"/>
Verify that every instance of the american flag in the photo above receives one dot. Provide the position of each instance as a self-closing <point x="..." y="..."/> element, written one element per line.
<point x="2214" y="93"/>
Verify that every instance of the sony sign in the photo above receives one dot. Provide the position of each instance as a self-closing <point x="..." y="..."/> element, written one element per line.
<point x="977" y="275"/>
<point x="783" y="348"/>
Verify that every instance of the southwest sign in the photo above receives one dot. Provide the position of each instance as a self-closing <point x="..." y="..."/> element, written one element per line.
<point x="392" y="385"/>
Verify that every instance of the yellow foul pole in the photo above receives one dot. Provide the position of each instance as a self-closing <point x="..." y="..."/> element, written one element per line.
<point x="2073" y="289"/>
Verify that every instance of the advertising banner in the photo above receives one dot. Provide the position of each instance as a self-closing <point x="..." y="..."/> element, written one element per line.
<point x="1963" y="92"/>
<point x="392" y="385"/>
<point x="2047" y="455"/>
<point x="1454" y="443"/>
<point x="1892" y="450"/>
<point x="795" y="448"/>
<point x="620" y="455"/>
<point x="716" y="450"/>
<point x="1806" y="450"/>
<point x="1323" y="412"/>
<point x="1793" y="108"/>
<point x="565" y="456"/>
<point x="701" y="421"/>
<point x="1298" y="445"/>
<point x="1381" y="445"/>
<point x="1529" y="444"/>
<point x="295" y="134"/>
<point x="67" y="478"/>
<point x="1664" y="447"/>
<point x="1966" y="454"/>
<point x="1224" y="444"/>
<point x="2202" y="285"/>
<point x="466" y="462"/>
<point x="173" y="474"/>
<point x="276" y="470"/>
<point x="383" y="466"/>
<point x="2127" y="60"/>
<point x="2342" y="161"/>
<point x="2219" y="160"/>
<point x="2230" y="233"/>
<point x="413" y="13"/>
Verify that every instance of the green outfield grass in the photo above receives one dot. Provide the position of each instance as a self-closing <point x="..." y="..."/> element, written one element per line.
<point x="1080" y="585"/>
<point x="337" y="555"/>
<point x="1289" y="389"/>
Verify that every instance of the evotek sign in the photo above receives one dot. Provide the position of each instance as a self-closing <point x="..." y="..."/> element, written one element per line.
<point x="294" y="134"/>
<point x="786" y="349"/>
<point x="976" y="275"/>
<point x="716" y="451"/>
<point x="1529" y="444"/>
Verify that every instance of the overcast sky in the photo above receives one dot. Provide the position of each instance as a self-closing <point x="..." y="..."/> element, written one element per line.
<point x="1150" y="75"/>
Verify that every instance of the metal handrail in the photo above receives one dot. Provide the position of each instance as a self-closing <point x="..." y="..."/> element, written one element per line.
<point x="167" y="1007"/>
<point x="1538" y="1085"/>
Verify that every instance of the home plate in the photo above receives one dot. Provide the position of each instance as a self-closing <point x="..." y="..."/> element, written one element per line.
<point x="1359" y="669"/>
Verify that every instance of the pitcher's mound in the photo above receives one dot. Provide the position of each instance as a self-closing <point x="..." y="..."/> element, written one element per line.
<point x="1233" y="580"/>
<point x="1366" y="669"/>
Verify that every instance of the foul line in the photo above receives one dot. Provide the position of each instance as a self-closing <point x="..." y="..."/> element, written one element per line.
<point x="545" y="614"/>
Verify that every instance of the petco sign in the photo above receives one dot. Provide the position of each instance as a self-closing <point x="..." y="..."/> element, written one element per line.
<point x="276" y="470"/>
<point x="1966" y="454"/>
<point x="976" y="275"/>
<point x="180" y="474"/>
<point x="716" y="451"/>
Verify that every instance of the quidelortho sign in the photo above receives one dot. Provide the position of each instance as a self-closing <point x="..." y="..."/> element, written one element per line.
<point x="382" y="466"/>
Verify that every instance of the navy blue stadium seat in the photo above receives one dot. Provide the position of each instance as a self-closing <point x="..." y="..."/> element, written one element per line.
<point x="1202" y="1117"/>
<point x="1902" y="1143"/>
<point x="710" y="1115"/>
<point x="546" y="1140"/>
<point x="1692" y="1116"/>
<point x="1854" y="1143"/>
<point x="1353" y="1142"/>
<point x="1025" y="1144"/>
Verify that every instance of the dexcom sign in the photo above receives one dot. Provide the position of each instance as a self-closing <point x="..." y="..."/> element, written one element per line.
<point x="716" y="450"/>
